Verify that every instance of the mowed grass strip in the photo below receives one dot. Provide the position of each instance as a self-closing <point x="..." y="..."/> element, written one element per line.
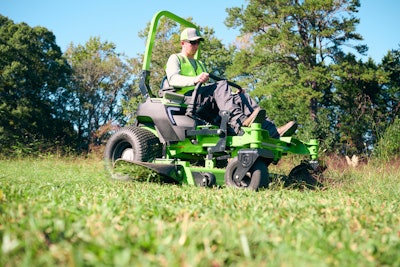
<point x="67" y="212"/>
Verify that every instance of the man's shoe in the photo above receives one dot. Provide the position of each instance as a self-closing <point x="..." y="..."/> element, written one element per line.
<point x="288" y="129"/>
<point x="258" y="116"/>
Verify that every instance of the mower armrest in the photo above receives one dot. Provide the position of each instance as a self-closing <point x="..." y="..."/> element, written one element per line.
<point x="175" y="97"/>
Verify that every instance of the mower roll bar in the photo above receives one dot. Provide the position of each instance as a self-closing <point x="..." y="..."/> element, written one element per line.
<point x="145" y="75"/>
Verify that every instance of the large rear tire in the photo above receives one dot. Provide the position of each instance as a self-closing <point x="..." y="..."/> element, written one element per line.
<point x="133" y="144"/>
<point x="256" y="177"/>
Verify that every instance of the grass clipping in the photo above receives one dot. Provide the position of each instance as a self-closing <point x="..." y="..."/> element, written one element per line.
<point x="131" y="172"/>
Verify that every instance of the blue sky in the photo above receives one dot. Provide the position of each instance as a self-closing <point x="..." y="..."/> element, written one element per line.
<point x="119" y="21"/>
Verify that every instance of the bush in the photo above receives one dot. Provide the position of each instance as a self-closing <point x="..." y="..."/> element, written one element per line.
<point x="388" y="146"/>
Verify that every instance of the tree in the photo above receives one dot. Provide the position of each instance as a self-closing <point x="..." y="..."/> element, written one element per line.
<point x="358" y="103"/>
<point x="391" y="65"/>
<point x="289" y="47"/>
<point x="100" y="81"/>
<point x="33" y="77"/>
<point x="387" y="145"/>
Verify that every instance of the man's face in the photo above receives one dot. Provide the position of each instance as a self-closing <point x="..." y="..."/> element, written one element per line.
<point x="190" y="47"/>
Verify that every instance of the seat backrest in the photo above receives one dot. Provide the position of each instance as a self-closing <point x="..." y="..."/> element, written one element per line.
<point x="165" y="84"/>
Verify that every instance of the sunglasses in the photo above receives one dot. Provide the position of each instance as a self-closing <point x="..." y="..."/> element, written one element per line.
<point x="193" y="42"/>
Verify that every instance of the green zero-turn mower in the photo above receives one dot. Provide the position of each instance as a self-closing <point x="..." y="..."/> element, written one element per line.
<point x="184" y="150"/>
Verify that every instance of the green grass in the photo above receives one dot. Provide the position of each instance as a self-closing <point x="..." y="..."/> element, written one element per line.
<point x="66" y="212"/>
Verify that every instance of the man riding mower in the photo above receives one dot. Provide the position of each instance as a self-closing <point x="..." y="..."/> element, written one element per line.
<point x="171" y="138"/>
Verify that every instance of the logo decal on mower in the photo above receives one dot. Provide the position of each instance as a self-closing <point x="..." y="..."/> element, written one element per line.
<point x="246" y="160"/>
<point x="170" y="113"/>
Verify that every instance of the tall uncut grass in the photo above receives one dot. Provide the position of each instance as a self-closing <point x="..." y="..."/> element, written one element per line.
<point x="66" y="212"/>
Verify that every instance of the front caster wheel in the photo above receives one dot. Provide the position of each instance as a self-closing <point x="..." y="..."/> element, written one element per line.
<point x="256" y="177"/>
<point x="204" y="179"/>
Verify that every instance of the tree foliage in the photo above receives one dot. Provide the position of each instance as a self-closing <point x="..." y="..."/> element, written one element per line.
<point x="100" y="81"/>
<point x="297" y="32"/>
<point x="358" y="102"/>
<point x="391" y="89"/>
<point x="32" y="82"/>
